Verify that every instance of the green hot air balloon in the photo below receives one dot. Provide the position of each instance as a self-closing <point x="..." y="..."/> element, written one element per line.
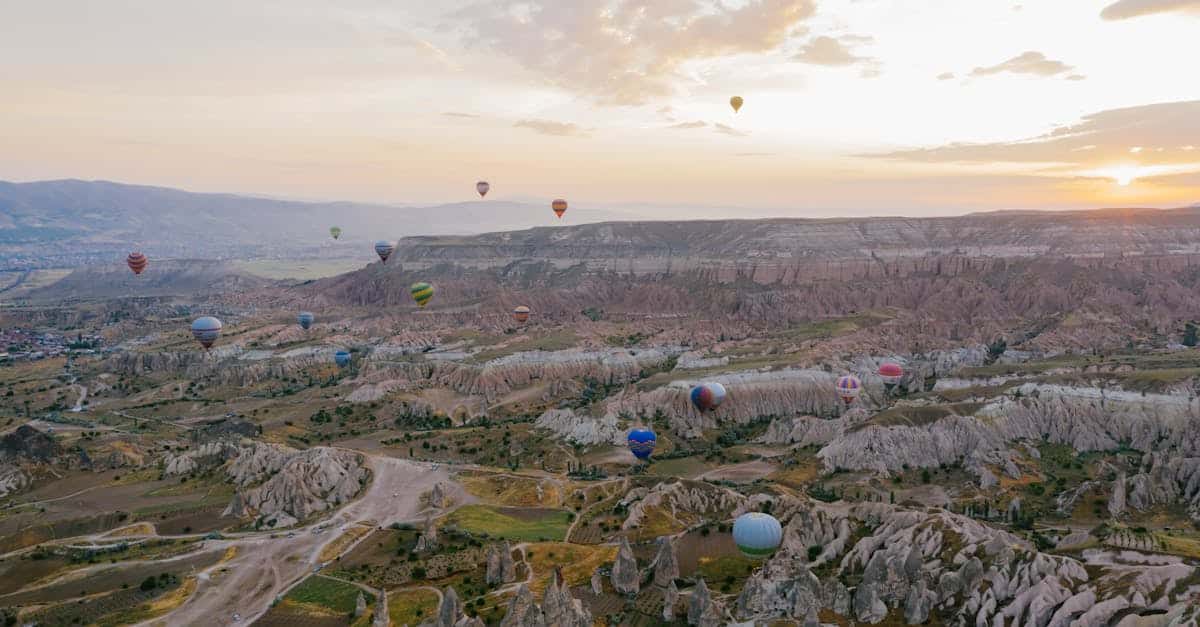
<point x="422" y="292"/>
<point x="335" y="231"/>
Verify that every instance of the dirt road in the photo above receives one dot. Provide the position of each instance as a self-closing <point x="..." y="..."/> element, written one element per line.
<point x="265" y="568"/>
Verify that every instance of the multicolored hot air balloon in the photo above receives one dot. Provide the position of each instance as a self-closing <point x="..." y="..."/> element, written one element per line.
<point x="384" y="249"/>
<point x="335" y="231"/>
<point x="341" y="358"/>
<point x="521" y="313"/>
<point x="736" y="103"/>
<point x="306" y="319"/>
<point x="707" y="396"/>
<point x="482" y="187"/>
<point x="136" y="262"/>
<point x="206" y="330"/>
<point x="421" y="292"/>
<point x="848" y="387"/>
<point x="891" y="373"/>
<point x="757" y="535"/>
<point x="559" y="206"/>
<point x="641" y="443"/>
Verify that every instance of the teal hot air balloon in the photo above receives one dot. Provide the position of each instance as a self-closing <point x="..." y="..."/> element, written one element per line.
<point x="757" y="535"/>
<point x="342" y="358"/>
<point x="206" y="330"/>
<point x="384" y="249"/>
<point x="306" y="319"/>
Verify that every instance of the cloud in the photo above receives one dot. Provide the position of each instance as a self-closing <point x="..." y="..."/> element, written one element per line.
<point x="1031" y="62"/>
<point x="627" y="52"/>
<point x="550" y="127"/>
<point x="754" y="154"/>
<point x="1099" y="139"/>
<point x="696" y="124"/>
<point x="828" y="51"/>
<point x="456" y="114"/>
<point x="1076" y="77"/>
<point x="945" y="76"/>
<point x="729" y="130"/>
<point x="1125" y="9"/>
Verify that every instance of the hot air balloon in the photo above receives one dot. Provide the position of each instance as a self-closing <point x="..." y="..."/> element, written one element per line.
<point x="559" y="206"/>
<point x="341" y="358"/>
<point x="482" y="187"/>
<point x="708" y="396"/>
<point x="421" y="292"/>
<point x="848" y="387"/>
<point x="306" y="320"/>
<point x="136" y="262"/>
<point x="736" y="103"/>
<point x="335" y="231"/>
<point x="757" y="535"/>
<point x="206" y="330"/>
<point x="641" y="443"/>
<point x="891" y="373"/>
<point x="384" y="249"/>
<point x="521" y="313"/>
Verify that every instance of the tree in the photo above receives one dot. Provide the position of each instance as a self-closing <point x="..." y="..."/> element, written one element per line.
<point x="996" y="349"/>
<point x="1190" y="334"/>
<point x="149" y="583"/>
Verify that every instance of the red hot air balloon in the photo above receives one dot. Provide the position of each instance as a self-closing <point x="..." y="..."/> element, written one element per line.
<point x="891" y="373"/>
<point x="137" y="262"/>
<point x="559" y="206"/>
<point x="482" y="187"/>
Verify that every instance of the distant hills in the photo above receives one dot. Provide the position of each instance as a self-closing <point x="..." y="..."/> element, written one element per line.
<point x="71" y="222"/>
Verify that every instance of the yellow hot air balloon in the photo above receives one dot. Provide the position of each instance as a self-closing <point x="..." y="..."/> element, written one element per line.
<point x="736" y="103"/>
<point x="421" y="292"/>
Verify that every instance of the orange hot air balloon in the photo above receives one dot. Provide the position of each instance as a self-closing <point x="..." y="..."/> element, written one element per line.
<point x="521" y="313"/>
<point x="559" y="206"/>
<point x="136" y="262"/>
<point x="736" y="103"/>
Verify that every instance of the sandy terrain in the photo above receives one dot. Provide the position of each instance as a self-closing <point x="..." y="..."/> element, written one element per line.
<point x="265" y="568"/>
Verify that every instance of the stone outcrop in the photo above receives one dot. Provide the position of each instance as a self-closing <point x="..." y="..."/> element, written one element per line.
<point x="360" y="605"/>
<point x="12" y="479"/>
<point x="500" y="567"/>
<point x="558" y="609"/>
<point x="307" y="482"/>
<point x="626" y="578"/>
<point x="450" y="613"/>
<point x="666" y="565"/>
<point x="670" y="598"/>
<point x="204" y="456"/>
<point x="682" y="498"/>
<point x="698" y="602"/>
<point x="581" y="429"/>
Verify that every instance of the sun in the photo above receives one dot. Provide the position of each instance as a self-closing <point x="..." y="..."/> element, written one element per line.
<point x="1124" y="175"/>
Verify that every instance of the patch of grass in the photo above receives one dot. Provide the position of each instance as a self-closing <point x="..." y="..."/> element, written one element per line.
<point x="686" y="467"/>
<point x="299" y="270"/>
<point x="411" y="607"/>
<point x="329" y="594"/>
<point x="554" y="341"/>
<point x="514" y="524"/>
<point x="577" y="562"/>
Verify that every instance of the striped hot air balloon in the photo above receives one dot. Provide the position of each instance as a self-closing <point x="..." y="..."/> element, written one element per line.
<point x="559" y="206"/>
<point x="384" y="249"/>
<point x="641" y="442"/>
<point x="137" y="262"/>
<point x="757" y="535"/>
<point x="521" y="313"/>
<point x="891" y="373"/>
<point x="708" y="396"/>
<point x="848" y="387"/>
<point x="306" y="319"/>
<point x="421" y="292"/>
<point x="335" y="231"/>
<point x="206" y="330"/>
<point x="482" y="187"/>
<point x="341" y="358"/>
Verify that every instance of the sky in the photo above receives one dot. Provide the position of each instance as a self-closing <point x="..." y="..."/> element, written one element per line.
<point x="852" y="107"/>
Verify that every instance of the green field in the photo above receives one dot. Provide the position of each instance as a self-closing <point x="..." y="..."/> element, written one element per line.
<point x="411" y="607"/>
<point x="299" y="269"/>
<point x="331" y="594"/>
<point x="525" y="524"/>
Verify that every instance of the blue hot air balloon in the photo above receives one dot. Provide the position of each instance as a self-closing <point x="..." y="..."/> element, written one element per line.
<point x="384" y="249"/>
<point x="342" y="358"/>
<point x="708" y="396"/>
<point x="306" y="320"/>
<point x="206" y="330"/>
<point x="757" y="535"/>
<point x="641" y="443"/>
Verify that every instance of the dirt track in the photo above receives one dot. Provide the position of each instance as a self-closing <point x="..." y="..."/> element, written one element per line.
<point x="265" y="568"/>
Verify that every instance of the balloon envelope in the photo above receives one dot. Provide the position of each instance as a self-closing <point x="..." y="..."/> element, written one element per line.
<point x="641" y="443"/>
<point x="757" y="535"/>
<point x="521" y="313"/>
<point x="482" y="187"/>
<point x="384" y="249"/>
<point x="306" y="319"/>
<point x="848" y="387"/>
<point x="422" y="292"/>
<point x="736" y="103"/>
<point x="708" y="396"/>
<point x="891" y="373"/>
<point x="341" y="358"/>
<point x="335" y="231"/>
<point x="559" y="206"/>
<point x="206" y="330"/>
<point x="136" y="262"/>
